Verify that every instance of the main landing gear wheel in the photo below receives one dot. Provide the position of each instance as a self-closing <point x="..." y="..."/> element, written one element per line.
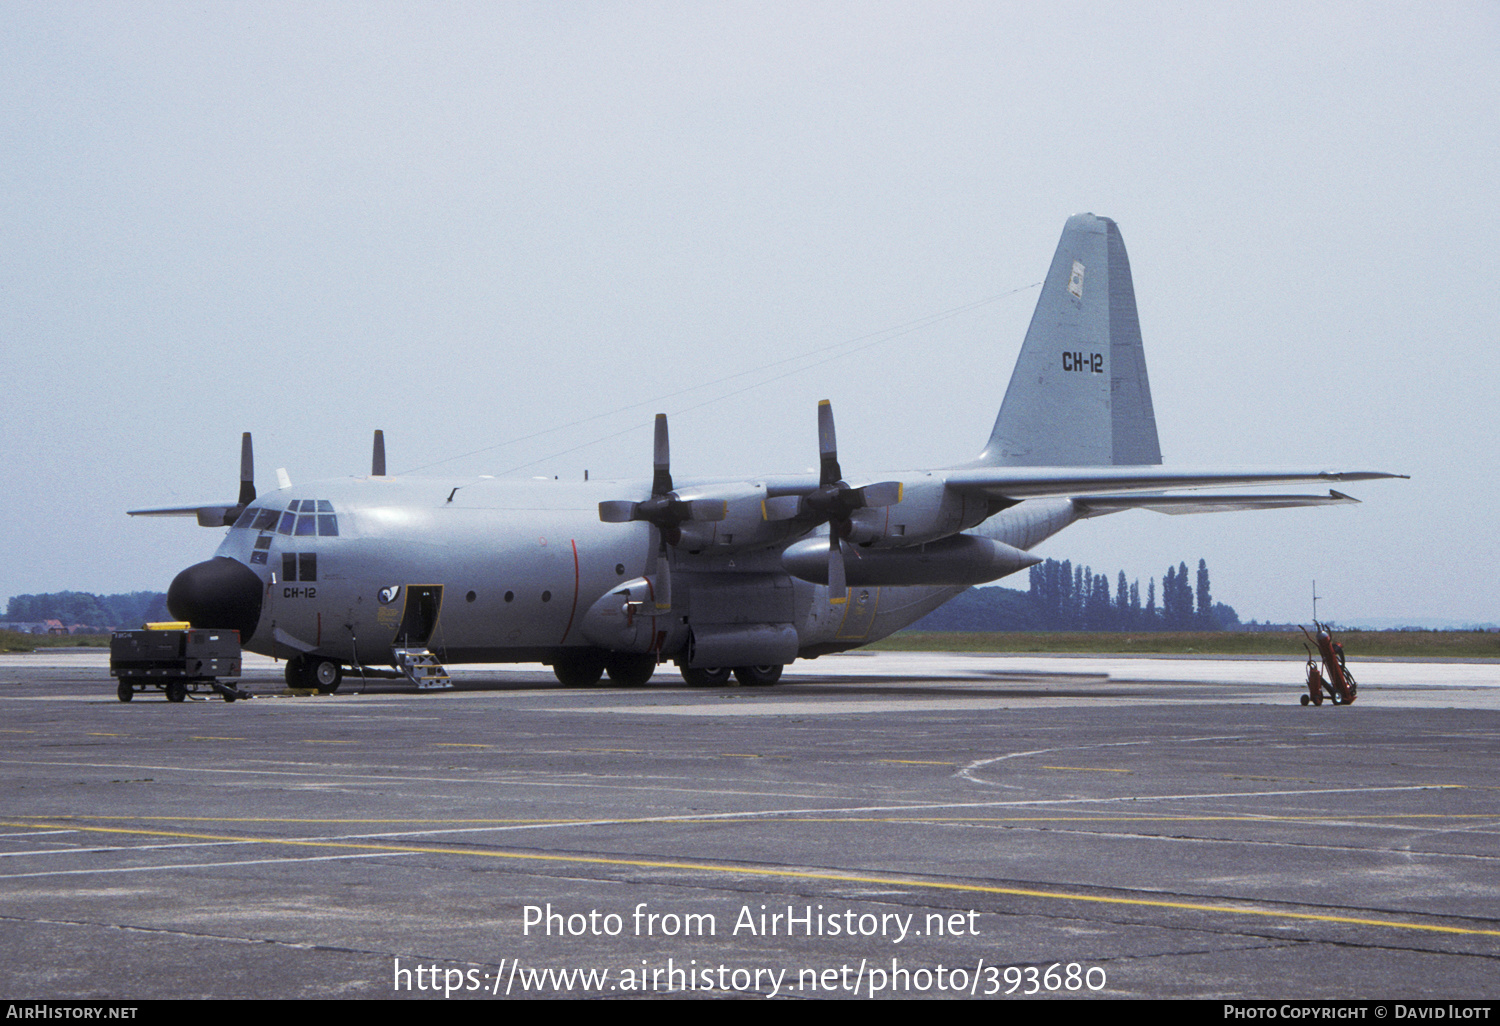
<point x="578" y="671"/>
<point x="758" y="676"/>
<point x="326" y="675"/>
<point x="630" y="669"/>
<point x="706" y="676"/>
<point x="125" y="691"/>
<point x="176" y="691"/>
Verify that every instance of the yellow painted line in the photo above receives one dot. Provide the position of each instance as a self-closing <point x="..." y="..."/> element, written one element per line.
<point x="317" y="741"/>
<point x="799" y="874"/>
<point x="323" y="821"/>
<point x="779" y="817"/>
<point x="615" y="751"/>
<point x="209" y="737"/>
<point x="1087" y="769"/>
<point x="1116" y="819"/>
<point x="458" y="744"/>
<point x="739" y="755"/>
<point x="102" y="733"/>
<point x="916" y="762"/>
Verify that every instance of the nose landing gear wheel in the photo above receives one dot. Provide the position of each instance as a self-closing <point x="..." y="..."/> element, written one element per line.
<point x="297" y="675"/>
<point x="326" y="675"/>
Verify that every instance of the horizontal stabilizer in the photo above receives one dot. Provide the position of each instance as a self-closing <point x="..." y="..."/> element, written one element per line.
<point x="1095" y="505"/>
<point x="1036" y="482"/>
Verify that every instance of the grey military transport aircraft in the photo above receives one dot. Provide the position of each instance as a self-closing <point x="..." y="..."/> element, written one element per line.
<point x="721" y="577"/>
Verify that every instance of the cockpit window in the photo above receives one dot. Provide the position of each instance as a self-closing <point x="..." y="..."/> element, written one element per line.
<point x="302" y="518"/>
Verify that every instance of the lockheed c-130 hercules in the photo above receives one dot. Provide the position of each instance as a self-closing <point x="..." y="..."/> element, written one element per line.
<point x="719" y="576"/>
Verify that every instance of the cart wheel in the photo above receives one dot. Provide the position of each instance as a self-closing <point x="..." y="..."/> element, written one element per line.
<point x="1306" y="700"/>
<point x="126" y="691"/>
<point x="176" y="691"/>
<point x="230" y="698"/>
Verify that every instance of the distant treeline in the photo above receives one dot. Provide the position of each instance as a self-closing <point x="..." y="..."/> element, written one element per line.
<point x="1063" y="597"/>
<point x="81" y="607"/>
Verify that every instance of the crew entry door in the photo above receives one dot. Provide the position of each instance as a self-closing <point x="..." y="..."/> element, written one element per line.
<point x="423" y="601"/>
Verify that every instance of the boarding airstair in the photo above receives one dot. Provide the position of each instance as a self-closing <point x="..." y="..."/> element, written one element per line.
<point x="421" y="667"/>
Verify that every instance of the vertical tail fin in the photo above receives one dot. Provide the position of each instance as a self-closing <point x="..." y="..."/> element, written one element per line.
<point x="1079" y="395"/>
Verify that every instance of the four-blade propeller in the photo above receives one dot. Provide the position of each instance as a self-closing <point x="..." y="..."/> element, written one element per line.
<point x="665" y="511"/>
<point x="833" y="502"/>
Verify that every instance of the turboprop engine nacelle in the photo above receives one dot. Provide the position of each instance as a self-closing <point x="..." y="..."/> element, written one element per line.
<point x="743" y="524"/>
<point x="627" y="619"/>
<point x="958" y="560"/>
<point x="927" y="512"/>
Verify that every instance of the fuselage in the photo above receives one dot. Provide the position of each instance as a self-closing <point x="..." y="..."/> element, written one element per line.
<point x="499" y="570"/>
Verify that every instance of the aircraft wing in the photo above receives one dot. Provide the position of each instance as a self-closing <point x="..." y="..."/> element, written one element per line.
<point x="208" y="516"/>
<point x="1069" y="482"/>
<point x="1095" y="505"/>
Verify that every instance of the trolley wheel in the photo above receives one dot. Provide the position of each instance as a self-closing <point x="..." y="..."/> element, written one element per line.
<point x="176" y="691"/>
<point x="126" y="691"/>
<point x="1306" y="700"/>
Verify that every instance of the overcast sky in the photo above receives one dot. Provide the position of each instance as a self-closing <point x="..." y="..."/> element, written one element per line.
<point x="468" y="223"/>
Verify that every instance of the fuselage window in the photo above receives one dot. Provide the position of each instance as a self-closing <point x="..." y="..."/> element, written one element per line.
<point x="263" y="542"/>
<point x="258" y="557"/>
<point x="288" y="566"/>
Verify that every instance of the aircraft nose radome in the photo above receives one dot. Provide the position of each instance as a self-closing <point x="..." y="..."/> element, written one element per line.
<point x="219" y="592"/>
